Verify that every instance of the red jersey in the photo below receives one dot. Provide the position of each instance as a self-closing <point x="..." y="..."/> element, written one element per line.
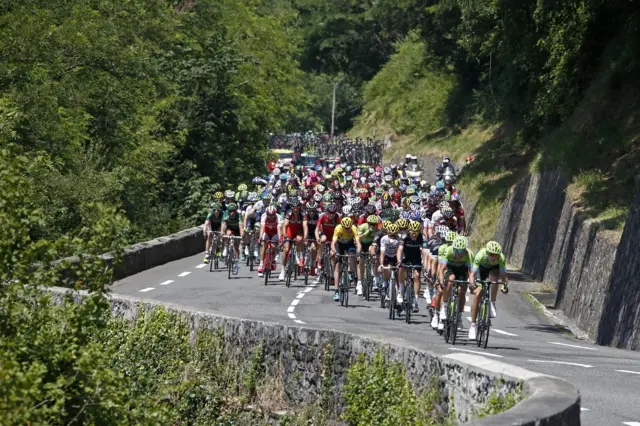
<point x="327" y="226"/>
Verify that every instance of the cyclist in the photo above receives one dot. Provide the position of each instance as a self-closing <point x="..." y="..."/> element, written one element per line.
<point x="212" y="223"/>
<point x="249" y="221"/>
<point x="366" y="234"/>
<point x="410" y="254"/>
<point x="345" y="240"/>
<point x="232" y="226"/>
<point x="270" y="226"/>
<point x="490" y="263"/>
<point x="309" y="226"/>
<point x="325" y="228"/>
<point x="455" y="264"/>
<point x="388" y="251"/>
<point x="293" y="230"/>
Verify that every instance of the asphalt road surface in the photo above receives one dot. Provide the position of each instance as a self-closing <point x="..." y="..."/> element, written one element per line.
<point x="608" y="379"/>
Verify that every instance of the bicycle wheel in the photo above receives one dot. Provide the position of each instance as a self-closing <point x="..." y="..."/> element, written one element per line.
<point x="216" y="260"/>
<point x="454" y="322"/>
<point x="307" y="255"/>
<point x="487" y="324"/>
<point x="383" y="297"/>
<point x="367" y="280"/>
<point x="392" y="300"/>
<point x="230" y="263"/>
<point x="326" y="271"/>
<point x="288" y="273"/>
<point x="408" y="296"/>
<point x="212" y="253"/>
<point x="346" y="289"/>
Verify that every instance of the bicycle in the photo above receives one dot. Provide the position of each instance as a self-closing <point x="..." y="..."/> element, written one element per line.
<point x="391" y="290"/>
<point x="367" y="280"/>
<point x="250" y="260"/>
<point x="214" y="257"/>
<point x="232" y="262"/>
<point x="326" y="272"/>
<point x="291" y="268"/>
<point x="269" y="261"/>
<point x="483" y="323"/>
<point x="453" y="307"/>
<point x="408" y="291"/>
<point x="343" y="283"/>
<point x="307" y="260"/>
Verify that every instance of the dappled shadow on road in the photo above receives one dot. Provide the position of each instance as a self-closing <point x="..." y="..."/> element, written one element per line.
<point x="553" y="329"/>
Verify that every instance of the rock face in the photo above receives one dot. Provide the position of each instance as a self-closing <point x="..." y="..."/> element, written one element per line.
<point x="303" y="359"/>
<point x="597" y="284"/>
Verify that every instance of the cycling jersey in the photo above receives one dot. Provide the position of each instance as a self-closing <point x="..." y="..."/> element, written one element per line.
<point x="412" y="250"/>
<point x="215" y="221"/>
<point x="271" y="226"/>
<point x="232" y="221"/>
<point x="389" y="246"/>
<point x="328" y="226"/>
<point x="368" y="237"/>
<point x="481" y="260"/>
<point x="343" y="235"/>
<point x="452" y="259"/>
<point x="312" y="222"/>
<point x="295" y="224"/>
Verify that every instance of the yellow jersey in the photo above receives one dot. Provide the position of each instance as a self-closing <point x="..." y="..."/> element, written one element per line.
<point x="343" y="235"/>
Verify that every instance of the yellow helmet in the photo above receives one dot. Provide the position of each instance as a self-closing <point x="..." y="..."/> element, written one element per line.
<point x="346" y="222"/>
<point x="403" y="223"/>
<point x="385" y="225"/>
<point x="393" y="228"/>
<point x="415" y="226"/>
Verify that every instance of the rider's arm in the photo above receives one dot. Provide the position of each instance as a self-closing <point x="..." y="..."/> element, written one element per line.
<point x="317" y="231"/>
<point x="399" y="253"/>
<point x="305" y="228"/>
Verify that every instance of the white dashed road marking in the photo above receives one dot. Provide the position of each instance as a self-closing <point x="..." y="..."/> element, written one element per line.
<point x="628" y="371"/>
<point x="467" y="308"/>
<point x="476" y="352"/>
<point x="631" y="423"/>
<point x="290" y="309"/>
<point x="506" y="333"/>
<point x="184" y="274"/>
<point x="297" y="300"/>
<point x="167" y="282"/>
<point x="584" y="409"/>
<point x="144" y="290"/>
<point x="202" y="265"/>
<point x="573" y="346"/>
<point x="561" y="362"/>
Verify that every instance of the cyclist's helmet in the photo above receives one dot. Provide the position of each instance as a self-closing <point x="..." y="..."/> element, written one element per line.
<point x="218" y="196"/>
<point x="379" y="191"/>
<point x="447" y="213"/>
<point x="357" y="206"/>
<point x="320" y="188"/>
<point x="451" y="236"/>
<point x="332" y="208"/>
<point x="328" y="196"/>
<point x="312" y="206"/>
<point x="442" y="231"/>
<point x="414" y="199"/>
<point x="216" y="206"/>
<point x="271" y="211"/>
<point x="370" y="209"/>
<point x="415" y="226"/>
<point x="232" y="207"/>
<point x="410" y="191"/>
<point x="317" y="198"/>
<point x="230" y="194"/>
<point x="493" y="248"/>
<point x="373" y="220"/>
<point x="242" y="187"/>
<point x="393" y="228"/>
<point x="403" y="223"/>
<point x="293" y="202"/>
<point x="460" y="243"/>
<point x="346" y="210"/>
<point x="415" y="216"/>
<point x="424" y="215"/>
<point x="346" y="222"/>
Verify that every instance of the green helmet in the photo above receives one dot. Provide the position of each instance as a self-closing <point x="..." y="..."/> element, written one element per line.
<point x="216" y="206"/>
<point x="460" y="243"/>
<point x="232" y="207"/>
<point x="493" y="248"/>
<point x="451" y="236"/>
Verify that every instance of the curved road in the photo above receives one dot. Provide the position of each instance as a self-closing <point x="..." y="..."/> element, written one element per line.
<point x="608" y="379"/>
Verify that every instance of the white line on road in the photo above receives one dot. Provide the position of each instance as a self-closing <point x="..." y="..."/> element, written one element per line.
<point x="295" y="302"/>
<point x="572" y="346"/>
<point x="584" y="409"/>
<point x="292" y="316"/>
<point x="628" y="371"/>
<point x="631" y="423"/>
<point x="144" y="290"/>
<point x="300" y="295"/>
<point x="476" y="352"/>
<point x="308" y="289"/>
<point x="184" y="274"/>
<point x="167" y="282"/>
<point x="298" y="321"/>
<point x="467" y="308"/>
<point x="291" y="309"/>
<point x="561" y="362"/>
<point x="506" y="333"/>
<point x="202" y="265"/>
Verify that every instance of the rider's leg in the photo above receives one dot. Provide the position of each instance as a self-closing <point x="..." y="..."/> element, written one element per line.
<point x="416" y="284"/>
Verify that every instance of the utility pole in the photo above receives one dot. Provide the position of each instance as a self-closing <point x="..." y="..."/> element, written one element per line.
<point x="333" y="108"/>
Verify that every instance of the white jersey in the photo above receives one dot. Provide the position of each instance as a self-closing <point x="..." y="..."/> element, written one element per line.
<point x="437" y="216"/>
<point x="389" y="246"/>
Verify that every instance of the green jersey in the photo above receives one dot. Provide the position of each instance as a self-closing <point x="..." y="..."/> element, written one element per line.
<point x="215" y="221"/>
<point x="443" y="248"/>
<point x="232" y="222"/>
<point x="455" y="260"/>
<point x="482" y="260"/>
<point x="367" y="238"/>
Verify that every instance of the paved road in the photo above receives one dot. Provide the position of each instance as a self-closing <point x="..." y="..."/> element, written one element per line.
<point x="608" y="379"/>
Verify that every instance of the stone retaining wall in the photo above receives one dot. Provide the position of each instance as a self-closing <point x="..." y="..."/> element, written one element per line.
<point x="301" y="353"/>
<point x="543" y="234"/>
<point x="149" y="254"/>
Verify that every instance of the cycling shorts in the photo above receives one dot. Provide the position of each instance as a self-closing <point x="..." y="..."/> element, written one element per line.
<point x="235" y="230"/>
<point x="413" y="262"/>
<point x="484" y="271"/>
<point x="344" y="248"/>
<point x="270" y="237"/>
<point x="461" y="272"/>
<point x="389" y="261"/>
<point x="366" y="246"/>
<point x="293" y="232"/>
